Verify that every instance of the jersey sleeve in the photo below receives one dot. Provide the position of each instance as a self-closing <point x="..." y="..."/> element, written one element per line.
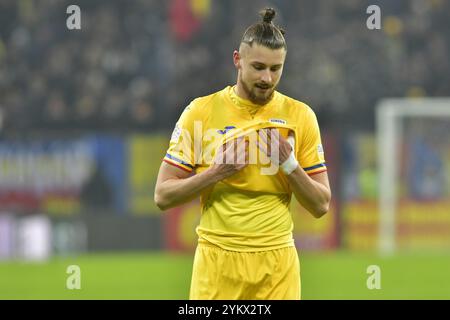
<point x="311" y="154"/>
<point x="181" y="146"/>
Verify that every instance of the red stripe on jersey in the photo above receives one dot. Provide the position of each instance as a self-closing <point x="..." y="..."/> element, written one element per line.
<point x="311" y="174"/>
<point x="175" y="165"/>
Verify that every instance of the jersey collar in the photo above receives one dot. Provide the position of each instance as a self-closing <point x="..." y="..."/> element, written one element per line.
<point x="246" y="105"/>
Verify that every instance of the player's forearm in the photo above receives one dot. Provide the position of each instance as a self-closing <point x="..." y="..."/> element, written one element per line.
<point x="174" y="192"/>
<point x="312" y="195"/>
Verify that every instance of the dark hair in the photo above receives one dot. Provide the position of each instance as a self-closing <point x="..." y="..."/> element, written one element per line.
<point x="265" y="33"/>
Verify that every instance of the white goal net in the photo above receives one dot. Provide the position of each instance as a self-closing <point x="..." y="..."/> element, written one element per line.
<point x="413" y="147"/>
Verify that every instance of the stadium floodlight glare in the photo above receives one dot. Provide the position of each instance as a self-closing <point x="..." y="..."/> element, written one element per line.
<point x="390" y="116"/>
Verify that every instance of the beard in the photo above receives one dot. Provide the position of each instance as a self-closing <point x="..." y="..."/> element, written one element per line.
<point x="256" y="94"/>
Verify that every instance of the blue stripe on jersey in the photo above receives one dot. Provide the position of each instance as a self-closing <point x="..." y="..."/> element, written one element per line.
<point x="179" y="161"/>
<point x="315" y="167"/>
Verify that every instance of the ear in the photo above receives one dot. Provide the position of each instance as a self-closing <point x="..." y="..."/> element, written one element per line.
<point x="237" y="59"/>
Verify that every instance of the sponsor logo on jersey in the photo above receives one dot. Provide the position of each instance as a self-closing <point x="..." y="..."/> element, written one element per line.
<point x="278" y="121"/>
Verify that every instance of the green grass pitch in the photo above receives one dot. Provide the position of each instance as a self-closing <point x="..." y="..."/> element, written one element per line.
<point x="331" y="275"/>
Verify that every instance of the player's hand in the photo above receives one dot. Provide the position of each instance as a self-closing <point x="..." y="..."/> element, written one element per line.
<point x="230" y="158"/>
<point x="274" y="145"/>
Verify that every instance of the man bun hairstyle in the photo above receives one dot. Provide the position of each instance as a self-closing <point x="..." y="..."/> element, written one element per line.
<point x="267" y="14"/>
<point x="265" y="32"/>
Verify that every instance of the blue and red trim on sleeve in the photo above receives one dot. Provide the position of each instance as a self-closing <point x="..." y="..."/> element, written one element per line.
<point x="318" y="168"/>
<point x="178" y="163"/>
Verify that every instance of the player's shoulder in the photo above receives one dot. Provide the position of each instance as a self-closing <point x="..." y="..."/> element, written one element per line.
<point x="302" y="109"/>
<point x="198" y="107"/>
<point x="204" y="103"/>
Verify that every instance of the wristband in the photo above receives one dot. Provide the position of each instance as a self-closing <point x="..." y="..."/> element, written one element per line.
<point x="290" y="164"/>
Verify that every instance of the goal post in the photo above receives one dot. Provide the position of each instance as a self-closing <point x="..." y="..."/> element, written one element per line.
<point x="391" y="115"/>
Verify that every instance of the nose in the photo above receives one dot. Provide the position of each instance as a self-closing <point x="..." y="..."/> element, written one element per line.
<point x="266" y="76"/>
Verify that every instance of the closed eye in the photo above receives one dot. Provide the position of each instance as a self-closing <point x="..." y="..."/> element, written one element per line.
<point x="259" y="66"/>
<point x="275" y="68"/>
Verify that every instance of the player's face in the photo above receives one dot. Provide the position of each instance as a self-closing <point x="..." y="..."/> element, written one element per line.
<point x="260" y="70"/>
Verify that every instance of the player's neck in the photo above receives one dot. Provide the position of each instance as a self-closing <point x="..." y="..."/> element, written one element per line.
<point x="240" y="92"/>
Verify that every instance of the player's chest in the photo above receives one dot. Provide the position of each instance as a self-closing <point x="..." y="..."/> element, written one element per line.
<point x="225" y="120"/>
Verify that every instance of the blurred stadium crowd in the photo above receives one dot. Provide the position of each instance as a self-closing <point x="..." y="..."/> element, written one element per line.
<point x="85" y="115"/>
<point x="135" y="65"/>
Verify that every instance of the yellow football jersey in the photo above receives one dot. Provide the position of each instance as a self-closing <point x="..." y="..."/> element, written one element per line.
<point x="248" y="211"/>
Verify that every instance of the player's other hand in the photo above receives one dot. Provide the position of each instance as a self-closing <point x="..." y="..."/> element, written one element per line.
<point x="230" y="158"/>
<point x="271" y="140"/>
